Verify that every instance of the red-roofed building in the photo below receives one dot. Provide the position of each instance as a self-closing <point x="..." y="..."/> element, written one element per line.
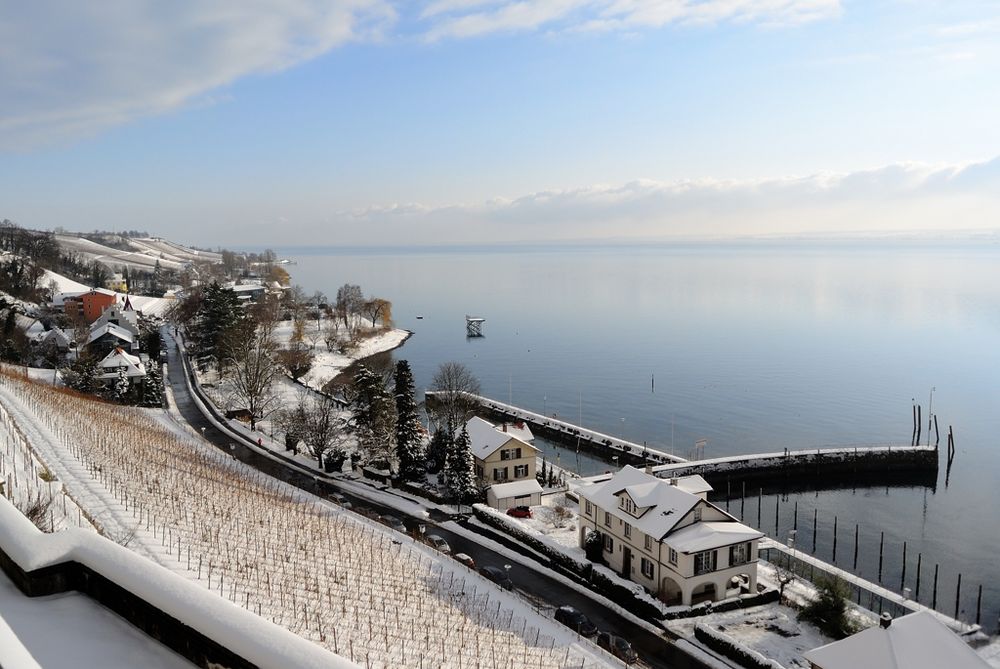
<point x="90" y="305"/>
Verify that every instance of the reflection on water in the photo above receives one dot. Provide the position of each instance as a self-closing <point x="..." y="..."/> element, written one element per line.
<point x="752" y="349"/>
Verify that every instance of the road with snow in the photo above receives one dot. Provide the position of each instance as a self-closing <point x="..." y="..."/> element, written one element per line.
<point x="545" y="593"/>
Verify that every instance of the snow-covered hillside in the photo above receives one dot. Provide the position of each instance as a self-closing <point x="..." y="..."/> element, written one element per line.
<point x="144" y="255"/>
<point x="149" y="306"/>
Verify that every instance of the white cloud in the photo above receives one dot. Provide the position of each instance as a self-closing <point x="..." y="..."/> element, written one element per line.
<point x="73" y="68"/>
<point x="894" y="198"/>
<point x="468" y="18"/>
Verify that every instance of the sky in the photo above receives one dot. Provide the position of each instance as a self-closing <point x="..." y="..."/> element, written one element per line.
<point x="371" y="122"/>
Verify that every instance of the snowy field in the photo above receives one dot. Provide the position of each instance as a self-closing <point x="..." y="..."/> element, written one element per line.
<point x="354" y="587"/>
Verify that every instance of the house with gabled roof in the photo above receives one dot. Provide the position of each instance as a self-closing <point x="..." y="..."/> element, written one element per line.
<point x="666" y="536"/>
<point x="107" y="337"/>
<point x="89" y="305"/>
<point x="111" y="366"/>
<point x="915" y="641"/>
<point x="120" y="314"/>
<point x="501" y="459"/>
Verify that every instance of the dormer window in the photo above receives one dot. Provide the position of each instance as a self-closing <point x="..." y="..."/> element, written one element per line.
<point x="625" y="503"/>
<point x="697" y="514"/>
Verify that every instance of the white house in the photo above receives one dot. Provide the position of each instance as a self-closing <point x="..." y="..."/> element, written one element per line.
<point x="122" y="315"/>
<point x="666" y="536"/>
<point x="502" y="460"/>
<point x="915" y="641"/>
<point x="117" y="360"/>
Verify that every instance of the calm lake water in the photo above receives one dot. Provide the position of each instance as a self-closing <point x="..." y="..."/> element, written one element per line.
<point x="754" y="349"/>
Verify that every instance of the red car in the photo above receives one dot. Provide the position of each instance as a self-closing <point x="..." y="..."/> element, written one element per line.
<point x="519" y="511"/>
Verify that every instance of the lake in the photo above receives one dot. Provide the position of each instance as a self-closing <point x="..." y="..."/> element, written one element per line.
<point x="754" y="348"/>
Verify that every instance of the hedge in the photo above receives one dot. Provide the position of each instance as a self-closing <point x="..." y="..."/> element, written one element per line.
<point x="732" y="649"/>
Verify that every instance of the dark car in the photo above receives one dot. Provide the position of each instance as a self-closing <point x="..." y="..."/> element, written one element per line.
<point x="617" y="646"/>
<point x="576" y="621"/>
<point x="394" y="522"/>
<point x="519" y="511"/>
<point x="498" y="576"/>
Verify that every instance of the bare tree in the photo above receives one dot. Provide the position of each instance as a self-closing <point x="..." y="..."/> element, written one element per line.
<point x="453" y="385"/>
<point x="249" y="349"/>
<point x="297" y="359"/>
<point x="377" y="308"/>
<point x="350" y="302"/>
<point x="324" y="430"/>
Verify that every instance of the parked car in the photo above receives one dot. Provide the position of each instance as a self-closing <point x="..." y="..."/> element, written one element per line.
<point x="439" y="543"/>
<point x="394" y="522"/>
<point x="576" y="621"/>
<point x="466" y="560"/>
<point x="519" y="511"/>
<point x="339" y="499"/>
<point x="617" y="646"/>
<point x="498" y="576"/>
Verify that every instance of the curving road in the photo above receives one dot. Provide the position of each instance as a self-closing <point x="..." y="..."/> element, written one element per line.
<point x="544" y="593"/>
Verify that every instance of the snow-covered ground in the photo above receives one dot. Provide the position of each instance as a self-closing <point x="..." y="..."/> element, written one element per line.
<point x="355" y="587"/>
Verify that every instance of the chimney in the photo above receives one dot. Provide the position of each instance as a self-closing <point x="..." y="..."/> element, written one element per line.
<point x="649" y="469"/>
<point x="885" y="621"/>
<point x="505" y="427"/>
<point x="674" y="480"/>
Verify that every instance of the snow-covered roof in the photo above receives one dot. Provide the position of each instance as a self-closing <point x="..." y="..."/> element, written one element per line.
<point x="118" y="359"/>
<point x="112" y="329"/>
<point x="121" y="313"/>
<point x="57" y="336"/>
<point x="712" y="534"/>
<point x="30" y="326"/>
<point x="520" y="430"/>
<point x="485" y="438"/>
<point x="659" y="505"/>
<point x="915" y="641"/>
<point x="694" y="484"/>
<point x="516" y="488"/>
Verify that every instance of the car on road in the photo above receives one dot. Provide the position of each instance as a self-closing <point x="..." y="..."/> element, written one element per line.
<point x="394" y="522"/>
<point x="576" y="621"/>
<point x="339" y="499"/>
<point x="617" y="646"/>
<point x="498" y="576"/>
<point x="465" y="559"/>
<point x="439" y="543"/>
<point x="519" y="511"/>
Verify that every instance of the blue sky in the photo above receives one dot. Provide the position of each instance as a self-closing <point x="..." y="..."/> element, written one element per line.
<point x="455" y="121"/>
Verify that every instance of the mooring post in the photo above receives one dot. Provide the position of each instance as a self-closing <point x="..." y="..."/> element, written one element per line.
<point x="855" y="547"/>
<point x="919" y="560"/>
<point x="795" y="517"/>
<point x="777" y="503"/>
<point x="958" y="594"/>
<point x="881" y="544"/>
<point x="834" y="540"/>
<point x="937" y="435"/>
<point x="728" y="485"/>
<point x="902" y="578"/>
<point x="815" y="511"/>
<point x="913" y="435"/>
<point x="934" y="595"/>
<point x="919" y="420"/>
<point x="743" y="500"/>
<point x="979" y="602"/>
<point x="760" y="499"/>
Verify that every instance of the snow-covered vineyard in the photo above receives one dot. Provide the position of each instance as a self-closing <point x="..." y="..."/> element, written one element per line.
<point x="377" y="598"/>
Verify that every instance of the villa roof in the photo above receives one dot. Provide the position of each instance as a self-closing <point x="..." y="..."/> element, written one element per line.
<point x="117" y="359"/>
<point x="516" y="488"/>
<point x="915" y="641"/>
<point x="114" y="330"/>
<point x="485" y="438"/>
<point x="712" y="534"/>
<point x="660" y="505"/>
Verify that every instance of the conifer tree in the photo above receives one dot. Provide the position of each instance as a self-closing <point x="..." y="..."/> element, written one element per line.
<point x="461" y="482"/>
<point x="409" y="446"/>
<point x="152" y="386"/>
<point x="437" y="450"/>
<point x="374" y="421"/>
<point x="120" y="390"/>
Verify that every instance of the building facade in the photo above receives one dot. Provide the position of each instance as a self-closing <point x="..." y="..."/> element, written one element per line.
<point x="669" y="538"/>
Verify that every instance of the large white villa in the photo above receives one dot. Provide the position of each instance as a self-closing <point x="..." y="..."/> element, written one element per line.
<point x="666" y="536"/>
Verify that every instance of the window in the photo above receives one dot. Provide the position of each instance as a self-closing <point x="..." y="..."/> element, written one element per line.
<point x="697" y="514"/>
<point x="500" y="474"/>
<point x="624" y="502"/>
<point x="505" y="454"/>
<point x="704" y="562"/>
<point x="510" y="454"/>
<point x="673" y="556"/>
<point x="607" y="518"/>
<point x="609" y="543"/>
<point x="589" y="508"/>
<point x="520" y="471"/>
<point x="628" y="530"/>
<point x="479" y="471"/>
<point x="739" y="554"/>
<point x="647" y="568"/>
<point x="649" y="543"/>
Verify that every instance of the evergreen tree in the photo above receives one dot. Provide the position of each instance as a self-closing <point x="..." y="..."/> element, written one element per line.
<point x="152" y="386"/>
<point x="437" y="450"/>
<point x="541" y="476"/>
<point x="374" y="421"/>
<point x="121" y="387"/>
<point x="219" y="313"/>
<point x="82" y="375"/>
<point x="461" y="482"/>
<point x="409" y="446"/>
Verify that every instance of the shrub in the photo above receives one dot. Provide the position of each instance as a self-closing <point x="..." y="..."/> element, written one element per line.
<point x="828" y="611"/>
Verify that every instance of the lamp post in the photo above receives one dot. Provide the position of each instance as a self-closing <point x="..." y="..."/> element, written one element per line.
<point x="544" y="406"/>
<point x="791" y="544"/>
<point x="623" y="429"/>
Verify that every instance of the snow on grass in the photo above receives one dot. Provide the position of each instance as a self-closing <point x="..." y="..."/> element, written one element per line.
<point x="556" y="519"/>
<point x="326" y="574"/>
<point x="772" y="630"/>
